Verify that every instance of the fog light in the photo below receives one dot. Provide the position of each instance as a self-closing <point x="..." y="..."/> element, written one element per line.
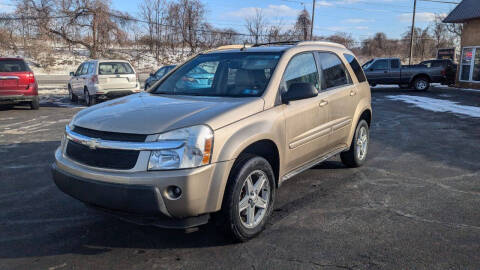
<point x="174" y="192"/>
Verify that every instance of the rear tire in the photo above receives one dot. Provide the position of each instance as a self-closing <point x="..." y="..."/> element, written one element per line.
<point x="421" y="84"/>
<point x="73" y="97"/>
<point x="251" y="186"/>
<point x="89" y="100"/>
<point x="356" y="155"/>
<point x="35" y="103"/>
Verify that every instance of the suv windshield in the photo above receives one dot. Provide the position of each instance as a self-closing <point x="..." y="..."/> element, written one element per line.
<point x="244" y="74"/>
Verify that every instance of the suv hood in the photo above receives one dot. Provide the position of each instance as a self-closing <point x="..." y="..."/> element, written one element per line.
<point x="146" y="113"/>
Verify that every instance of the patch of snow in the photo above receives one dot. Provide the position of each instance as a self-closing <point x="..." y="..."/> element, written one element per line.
<point x="385" y="86"/>
<point x="438" y="105"/>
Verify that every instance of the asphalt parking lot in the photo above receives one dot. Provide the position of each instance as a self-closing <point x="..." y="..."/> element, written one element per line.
<point x="414" y="205"/>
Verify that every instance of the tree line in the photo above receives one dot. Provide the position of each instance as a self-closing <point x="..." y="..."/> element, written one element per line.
<point x="163" y="26"/>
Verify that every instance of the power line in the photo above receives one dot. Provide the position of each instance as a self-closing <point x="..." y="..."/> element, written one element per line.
<point x="437" y="1"/>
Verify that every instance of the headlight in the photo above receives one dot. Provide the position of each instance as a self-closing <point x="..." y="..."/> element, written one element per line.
<point x="196" y="151"/>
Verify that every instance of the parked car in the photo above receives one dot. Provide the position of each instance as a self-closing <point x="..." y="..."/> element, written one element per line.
<point x="17" y="83"/>
<point x="175" y="155"/>
<point x="154" y="77"/>
<point x="391" y="71"/>
<point x="102" y="79"/>
<point x="448" y="65"/>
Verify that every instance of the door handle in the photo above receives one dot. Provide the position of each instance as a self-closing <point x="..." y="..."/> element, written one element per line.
<point x="385" y="71"/>
<point x="353" y="93"/>
<point x="323" y="102"/>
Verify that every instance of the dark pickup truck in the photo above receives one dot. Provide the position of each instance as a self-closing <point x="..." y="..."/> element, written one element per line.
<point x="391" y="71"/>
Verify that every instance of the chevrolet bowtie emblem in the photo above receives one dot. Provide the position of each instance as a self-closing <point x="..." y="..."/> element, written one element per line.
<point x="92" y="144"/>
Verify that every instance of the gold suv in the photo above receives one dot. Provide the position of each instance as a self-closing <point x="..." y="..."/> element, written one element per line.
<point x="217" y="136"/>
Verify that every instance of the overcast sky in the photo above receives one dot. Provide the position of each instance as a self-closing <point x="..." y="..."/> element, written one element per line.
<point x="362" y="18"/>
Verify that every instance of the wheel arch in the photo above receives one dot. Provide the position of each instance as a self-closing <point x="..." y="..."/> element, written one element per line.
<point x="425" y="75"/>
<point x="363" y="112"/>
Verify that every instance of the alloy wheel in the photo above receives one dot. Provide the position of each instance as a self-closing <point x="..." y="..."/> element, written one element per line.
<point x="362" y="143"/>
<point x="254" y="199"/>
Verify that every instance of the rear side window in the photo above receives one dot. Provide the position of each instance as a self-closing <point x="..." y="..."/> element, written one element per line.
<point x="333" y="71"/>
<point x="301" y="69"/>
<point x="394" y="63"/>
<point x="114" y="68"/>
<point x="356" y="67"/>
<point x="13" y="66"/>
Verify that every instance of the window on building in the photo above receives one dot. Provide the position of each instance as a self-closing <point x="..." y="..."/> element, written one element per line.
<point x="470" y="64"/>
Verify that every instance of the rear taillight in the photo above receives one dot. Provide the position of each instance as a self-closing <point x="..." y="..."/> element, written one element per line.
<point x="30" y="80"/>
<point x="137" y="77"/>
<point x="95" y="79"/>
<point x="444" y="72"/>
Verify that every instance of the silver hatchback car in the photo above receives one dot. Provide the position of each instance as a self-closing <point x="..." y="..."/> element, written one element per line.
<point x="102" y="79"/>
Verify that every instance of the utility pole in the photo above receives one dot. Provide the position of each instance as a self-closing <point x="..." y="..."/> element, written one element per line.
<point x="313" y="18"/>
<point x="412" y="32"/>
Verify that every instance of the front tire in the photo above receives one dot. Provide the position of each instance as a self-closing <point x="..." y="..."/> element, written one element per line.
<point x="356" y="155"/>
<point x="72" y="96"/>
<point x="249" y="197"/>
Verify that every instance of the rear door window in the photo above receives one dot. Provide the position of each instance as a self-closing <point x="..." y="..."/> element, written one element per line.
<point x="357" y="69"/>
<point x="333" y="70"/>
<point x="13" y="66"/>
<point x="114" y="68"/>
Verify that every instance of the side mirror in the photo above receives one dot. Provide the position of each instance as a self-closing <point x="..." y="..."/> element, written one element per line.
<point x="72" y="74"/>
<point x="152" y="74"/>
<point x="299" y="91"/>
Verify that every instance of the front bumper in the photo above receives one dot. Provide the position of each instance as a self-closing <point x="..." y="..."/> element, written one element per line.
<point x="143" y="194"/>
<point x="139" y="204"/>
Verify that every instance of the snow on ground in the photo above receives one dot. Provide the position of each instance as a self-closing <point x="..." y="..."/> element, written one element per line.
<point x="56" y="96"/>
<point x="438" y="105"/>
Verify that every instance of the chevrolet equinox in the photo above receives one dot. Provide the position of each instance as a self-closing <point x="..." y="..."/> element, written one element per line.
<point x="218" y="136"/>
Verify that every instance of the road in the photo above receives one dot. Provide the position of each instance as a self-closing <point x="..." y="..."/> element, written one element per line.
<point x="414" y="205"/>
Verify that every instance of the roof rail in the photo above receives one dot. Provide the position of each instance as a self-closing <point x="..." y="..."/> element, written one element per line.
<point x="229" y="47"/>
<point x="322" y="43"/>
<point x="290" y="42"/>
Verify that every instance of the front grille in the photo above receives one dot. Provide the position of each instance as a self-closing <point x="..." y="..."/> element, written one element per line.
<point x="103" y="158"/>
<point x="110" y="136"/>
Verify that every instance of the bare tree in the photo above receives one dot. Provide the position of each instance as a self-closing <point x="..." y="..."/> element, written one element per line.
<point x="303" y="25"/>
<point x="188" y="16"/>
<point x="256" y="25"/>
<point x="90" y="23"/>
<point x="154" y="12"/>
<point x="343" y="38"/>
<point x="442" y="37"/>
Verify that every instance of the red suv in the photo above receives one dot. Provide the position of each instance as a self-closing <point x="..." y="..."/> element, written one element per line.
<point x="17" y="83"/>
